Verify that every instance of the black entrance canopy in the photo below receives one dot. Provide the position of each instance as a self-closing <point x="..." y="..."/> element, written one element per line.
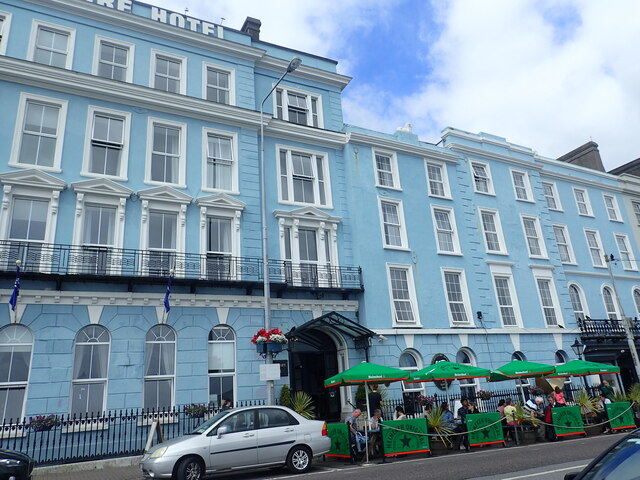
<point x="358" y="333"/>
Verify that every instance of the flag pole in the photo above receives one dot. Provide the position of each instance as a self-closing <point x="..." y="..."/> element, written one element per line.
<point x="13" y="300"/>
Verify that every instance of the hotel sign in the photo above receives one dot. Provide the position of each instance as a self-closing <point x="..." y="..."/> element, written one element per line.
<point x="163" y="16"/>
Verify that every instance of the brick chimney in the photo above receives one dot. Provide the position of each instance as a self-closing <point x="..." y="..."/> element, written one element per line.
<point x="251" y="26"/>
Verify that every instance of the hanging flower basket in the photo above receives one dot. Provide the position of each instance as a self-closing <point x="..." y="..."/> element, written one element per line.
<point x="484" y="394"/>
<point x="273" y="347"/>
<point x="43" y="423"/>
<point x="195" y="410"/>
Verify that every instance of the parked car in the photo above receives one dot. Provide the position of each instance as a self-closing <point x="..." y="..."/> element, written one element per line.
<point x="251" y="437"/>
<point x="15" y="465"/>
<point x="621" y="461"/>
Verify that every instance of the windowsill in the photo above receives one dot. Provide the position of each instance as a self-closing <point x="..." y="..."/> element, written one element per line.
<point x="452" y="254"/>
<point x="490" y="194"/>
<point x="407" y="326"/>
<point x="573" y="264"/>
<point x="555" y="210"/>
<point x="590" y="215"/>
<point x="38" y="167"/>
<point x="118" y="178"/>
<point x="164" y="184"/>
<point x="13" y="431"/>
<point x="85" y="425"/>
<point x="493" y="252"/>
<point x="301" y="204"/>
<point x="397" y="189"/>
<point x="162" y="417"/>
<point x="218" y="190"/>
<point x="539" y="257"/>
<point x="400" y="249"/>
<point x="525" y="200"/>
<point x="446" y="197"/>
<point x="462" y="325"/>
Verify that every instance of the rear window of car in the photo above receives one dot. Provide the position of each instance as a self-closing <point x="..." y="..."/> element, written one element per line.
<point x="621" y="463"/>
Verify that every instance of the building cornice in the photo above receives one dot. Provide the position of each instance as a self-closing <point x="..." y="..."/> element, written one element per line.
<point x="633" y="276"/>
<point x="74" y="83"/>
<point x="577" y="168"/>
<point x="478" y="152"/>
<point x="579" y="181"/>
<point x="300" y="133"/>
<point x="452" y="132"/>
<point x="473" y="331"/>
<point x="305" y="72"/>
<point x="156" y="299"/>
<point x="402" y="147"/>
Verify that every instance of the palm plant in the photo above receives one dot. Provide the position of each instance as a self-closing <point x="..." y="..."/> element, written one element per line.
<point x="588" y="404"/>
<point x="436" y="423"/>
<point x="302" y="403"/>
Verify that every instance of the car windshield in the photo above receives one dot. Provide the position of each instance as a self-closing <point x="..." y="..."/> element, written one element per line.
<point x="205" y="426"/>
<point x="621" y="463"/>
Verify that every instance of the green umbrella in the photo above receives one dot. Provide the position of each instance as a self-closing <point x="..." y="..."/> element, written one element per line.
<point x="521" y="369"/>
<point x="365" y="373"/>
<point x="577" y="368"/>
<point x="448" y="371"/>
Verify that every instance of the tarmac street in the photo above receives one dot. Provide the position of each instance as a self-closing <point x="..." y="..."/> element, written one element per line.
<point x="544" y="461"/>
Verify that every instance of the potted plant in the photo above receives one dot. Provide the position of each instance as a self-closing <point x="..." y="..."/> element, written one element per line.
<point x="425" y="401"/>
<point x="484" y="394"/>
<point x="633" y="395"/>
<point x="195" y="410"/>
<point x="43" y="423"/>
<point x="588" y="405"/>
<point x="302" y="403"/>
<point x="436" y="424"/>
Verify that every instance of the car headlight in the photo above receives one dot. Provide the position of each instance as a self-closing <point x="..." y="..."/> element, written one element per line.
<point x="10" y="462"/>
<point x="159" y="452"/>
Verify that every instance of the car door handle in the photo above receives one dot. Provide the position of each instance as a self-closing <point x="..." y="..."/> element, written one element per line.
<point x="289" y="429"/>
<point x="247" y="435"/>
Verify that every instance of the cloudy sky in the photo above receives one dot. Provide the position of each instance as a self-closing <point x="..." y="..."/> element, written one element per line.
<point x="546" y="74"/>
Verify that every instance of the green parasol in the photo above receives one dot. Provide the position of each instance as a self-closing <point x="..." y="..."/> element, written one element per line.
<point x="365" y="373"/>
<point x="448" y="371"/>
<point x="577" y="368"/>
<point x="521" y="369"/>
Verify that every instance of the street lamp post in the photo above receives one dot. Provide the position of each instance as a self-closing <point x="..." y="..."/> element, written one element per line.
<point x="578" y="349"/>
<point x="293" y="64"/>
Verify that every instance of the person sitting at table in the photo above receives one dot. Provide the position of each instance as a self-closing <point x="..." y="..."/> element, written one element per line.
<point x="399" y="413"/>
<point x="374" y="431"/>
<point x="510" y="412"/>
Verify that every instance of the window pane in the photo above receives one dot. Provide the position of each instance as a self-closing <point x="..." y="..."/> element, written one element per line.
<point x="221" y="357"/>
<point x="29" y="219"/>
<point x="221" y="388"/>
<point x="11" y="402"/>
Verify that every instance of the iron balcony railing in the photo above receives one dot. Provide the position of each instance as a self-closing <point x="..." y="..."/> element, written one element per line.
<point x="607" y="328"/>
<point x="107" y="262"/>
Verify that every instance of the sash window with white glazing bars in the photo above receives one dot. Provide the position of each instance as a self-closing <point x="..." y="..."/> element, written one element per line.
<point x="505" y="300"/>
<point x="167" y="75"/>
<point x="625" y="255"/>
<point x="303" y="178"/>
<point x="401" y="295"/>
<point x="562" y="239"/>
<point x="392" y="224"/>
<point x="595" y="247"/>
<point x="582" y="201"/>
<point x="159" y="367"/>
<point x="165" y="157"/>
<point x="546" y="298"/>
<point x="163" y="228"/>
<point x="39" y="134"/>
<point x="113" y="61"/>
<point x="481" y="179"/>
<point x="455" y="297"/>
<point x="218" y="85"/>
<point x="437" y="187"/>
<point x="52" y="47"/>
<point x="222" y="365"/>
<point x="576" y="302"/>
<point x="90" y="370"/>
<point x="219" y="162"/>
<point x="609" y="304"/>
<point x="550" y="195"/>
<point x="612" y="208"/>
<point x="107" y="142"/>
<point x="298" y="107"/>
<point x="16" y="345"/>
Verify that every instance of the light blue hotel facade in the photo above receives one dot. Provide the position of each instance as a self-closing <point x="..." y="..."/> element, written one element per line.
<point x="130" y="151"/>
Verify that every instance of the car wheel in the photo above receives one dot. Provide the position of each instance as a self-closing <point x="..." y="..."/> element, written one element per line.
<point x="299" y="460"/>
<point x="190" y="468"/>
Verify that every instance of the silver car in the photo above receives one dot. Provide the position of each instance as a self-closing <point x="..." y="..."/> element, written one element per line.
<point x="250" y="437"/>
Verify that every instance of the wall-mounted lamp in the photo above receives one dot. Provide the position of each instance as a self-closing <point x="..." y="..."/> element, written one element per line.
<point x="134" y="197"/>
<point x="382" y="338"/>
<point x="479" y="315"/>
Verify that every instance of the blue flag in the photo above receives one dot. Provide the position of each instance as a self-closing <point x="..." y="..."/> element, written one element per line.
<point x="13" y="300"/>
<point x="167" y="306"/>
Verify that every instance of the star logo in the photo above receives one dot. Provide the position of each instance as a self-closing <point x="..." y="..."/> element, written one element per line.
<point x="405" y="441"/>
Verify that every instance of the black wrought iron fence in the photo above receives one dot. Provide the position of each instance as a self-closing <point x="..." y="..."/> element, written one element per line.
<point x="59" y="259"/>
<point x="117" y="433"/>
<point x="413" y="407"/>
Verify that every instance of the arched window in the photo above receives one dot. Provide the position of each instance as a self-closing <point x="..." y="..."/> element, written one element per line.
<point x="411" y="361"/>
<point x="16" y="344"/>
<point x="609" y="304"/>
<point x="517" y="355"/>
<point x="576" y="302"/>
<point x="222" y="365"/>
<point x="90" y="370"/>
<point x="467" y="385"/>
<point x="159" y="367"/>
<point x="561" y="357"/>
<point x="636" y="299"/>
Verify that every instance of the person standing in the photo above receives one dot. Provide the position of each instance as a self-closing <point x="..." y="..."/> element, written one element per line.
<point x="550" y="431"/>
<point x="375" y="400"/>
<point x="606" y="390"/>
<point x="356" y="437"/>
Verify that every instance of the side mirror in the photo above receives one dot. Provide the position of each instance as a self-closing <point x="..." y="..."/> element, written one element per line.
<point x="223" y="430"/>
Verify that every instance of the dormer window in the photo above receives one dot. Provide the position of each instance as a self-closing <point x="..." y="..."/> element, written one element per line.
<point x="298" y="107"/>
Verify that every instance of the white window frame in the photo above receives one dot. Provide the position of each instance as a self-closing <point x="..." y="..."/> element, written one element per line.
<point x="635" y="294"/>
<point x="613" y="211"/>
<point x="316" y="183"/>
<point x="626" y="255"/>
<point x="466" y="300"/>
<point x="504" y="270"/>
<point x="233" y="136"/>
<point x="412" y="296"/>
<point x="417" y="387"/>
<point x="171" y="56"/>
<point x="234" y="374"/>
<point x="46" y="189"/>
<point x="14" y="160"/>
<point x="445" y="178"/>
<point x="527" y="186"/>
<point x="586" y="202"/>
<point x="130" y="47"/>
<point x="393" y="164"/>
<point x="232" y="81"/>
<point x="500" y="235"/>
<point x="467" y="384"/>
<point x="36" y="25"/>
<point x="596" y="236"/>
<point x="614" y="303"/>
<point x="221" y="206"/>
<point x="4" y="30"/>
<point x="454" y="230"/>
<point x="554" y="195"/>
<point x="568" y="245"/>
<point x="161" y="200"/>
<point x="583" y="301"/>
<point x="18" y="384"/>
<point x="182" y="159"/>
<point x="99" y="380"/>
<point x="539" y="237"/>
<point x="489" y="178"/>
<point x="283" y="90"/>
<point x="326" y="228"/>
<point x="171" y="377"/>
<point x="546" y="274"/>
<point x="635" y="206"/>
<point x="124" y="152"/>
<point x="404" y="242"/>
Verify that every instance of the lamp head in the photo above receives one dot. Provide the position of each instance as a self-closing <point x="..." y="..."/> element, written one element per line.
<point x="293" y="64"/>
